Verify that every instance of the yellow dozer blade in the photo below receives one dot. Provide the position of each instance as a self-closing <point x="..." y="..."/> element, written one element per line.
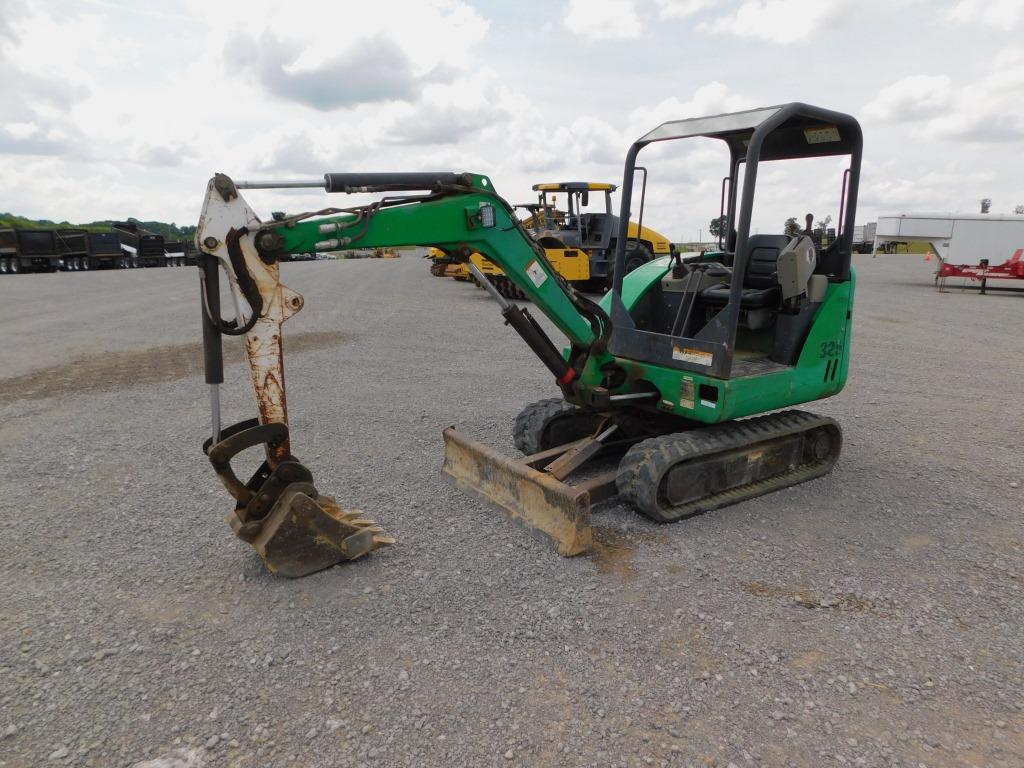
<point x="545" y="505"/>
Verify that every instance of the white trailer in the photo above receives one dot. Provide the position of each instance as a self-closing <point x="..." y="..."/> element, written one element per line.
<point x="959" y="238"/>
<point x="864" y="238"/>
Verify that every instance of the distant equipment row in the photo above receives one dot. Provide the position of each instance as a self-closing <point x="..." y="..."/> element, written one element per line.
<point x="125" y="246"/>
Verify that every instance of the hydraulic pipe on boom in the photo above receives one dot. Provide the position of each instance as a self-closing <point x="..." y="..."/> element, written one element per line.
<point x="454" y="224"/>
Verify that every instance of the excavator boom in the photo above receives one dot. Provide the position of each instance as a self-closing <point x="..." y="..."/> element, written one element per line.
<point x="279" y="511"/>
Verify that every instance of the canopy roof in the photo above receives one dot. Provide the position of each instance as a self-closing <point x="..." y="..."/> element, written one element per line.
<point x="790" y="130"/>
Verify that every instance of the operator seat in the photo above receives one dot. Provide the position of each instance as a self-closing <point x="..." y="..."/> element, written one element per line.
<point x="594" y="227"/>
<point x="760" y="283"/>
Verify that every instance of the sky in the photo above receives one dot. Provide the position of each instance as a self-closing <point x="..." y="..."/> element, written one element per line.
<point x="114" y="109"/>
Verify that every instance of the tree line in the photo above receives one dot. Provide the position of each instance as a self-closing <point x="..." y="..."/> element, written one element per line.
<point x="791" y="227"/>
<point x="169" y="231"/>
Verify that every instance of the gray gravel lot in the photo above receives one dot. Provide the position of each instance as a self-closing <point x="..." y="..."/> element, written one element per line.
<point x="870" y="618"/>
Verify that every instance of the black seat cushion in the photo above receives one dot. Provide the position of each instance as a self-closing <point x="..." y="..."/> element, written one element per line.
<point x="751" y="298"/>
<point x="760" y="283"/>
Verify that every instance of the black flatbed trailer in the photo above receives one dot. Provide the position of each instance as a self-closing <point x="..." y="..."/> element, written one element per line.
<point x="180" y="253"/>
<point x="29" y="250"/>
<point x="141" y="247"/>
<point x="105" y="251"/>
<point x="74" y="249"/>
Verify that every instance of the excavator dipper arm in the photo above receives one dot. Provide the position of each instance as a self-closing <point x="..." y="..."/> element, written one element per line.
<point x="293" y="527"/>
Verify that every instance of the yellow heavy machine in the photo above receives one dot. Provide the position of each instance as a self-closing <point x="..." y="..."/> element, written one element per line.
<point x="571" y="264"/>
<point x="594" y="232"/>
<point x="578" y="243"/>
<point x="443" y="265"/>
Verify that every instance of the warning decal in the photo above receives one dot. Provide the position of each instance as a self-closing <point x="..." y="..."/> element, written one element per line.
<point x="691" y="355"/>
<point x="536" y="273"/>
<point x="686" y="390"/>
<point x="821" y="135"/>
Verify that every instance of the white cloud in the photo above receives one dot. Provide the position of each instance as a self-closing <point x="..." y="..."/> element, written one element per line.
<point x="603" y="19"/>
<point x="710" y="99"/>
<point x="41" y="91"/>
<point x="895" y="189"/>
<point x="30" y="139"/>
<point x="1001" y="14"/>
<point x="929" y="158"/>
<point x="428" y="32"/>
<point x="295" y="52"/>
<point x="432" y="123"/>
<point x="986" y="109"/>
<point x="784" y="21"/>
<point x="685" y="177"/>
<point x="106" y="131"/>
<point x="370" y="70"/>
<point x="913" y="98"/>
<point x="598" y="142"/>
<point x="455" y="112"/>
<point x="588" y="148"/>
<point x="184" y="116"/>
<point x="163" y="155"/>
<point x="682" y="9"/>
<point x="52" y="187"/>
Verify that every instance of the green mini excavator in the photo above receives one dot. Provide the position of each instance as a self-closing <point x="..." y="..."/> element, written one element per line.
<point x="673" y="373"/>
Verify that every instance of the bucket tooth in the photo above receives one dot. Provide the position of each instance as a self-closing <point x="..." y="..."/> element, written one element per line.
<point x="543" y="504"/>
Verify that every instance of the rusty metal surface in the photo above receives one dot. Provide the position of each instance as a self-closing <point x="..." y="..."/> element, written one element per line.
<point x="235" y="439"/>
<point x="543" y="458"/>
<point x="296" y="530"/>
<point x="265" y="350"/>
<point x="304" y="534"/>
<point x="576" y="456"/>
<point x="299" y="537"/>
<point x="539" y="501"/>
<point x="225" y="230"/>
<point x="600" y="487"/>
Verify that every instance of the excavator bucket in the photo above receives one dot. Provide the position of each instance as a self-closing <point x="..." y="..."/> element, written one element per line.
<point x="296" y="530"/>
<point x="545" y="505"/>
<point x="305" y="533"/>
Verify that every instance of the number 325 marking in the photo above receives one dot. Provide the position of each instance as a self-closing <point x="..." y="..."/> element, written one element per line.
<point x="831" y="348"/>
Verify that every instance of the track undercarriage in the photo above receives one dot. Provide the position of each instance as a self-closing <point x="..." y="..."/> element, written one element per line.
<point x="667" y="471"/>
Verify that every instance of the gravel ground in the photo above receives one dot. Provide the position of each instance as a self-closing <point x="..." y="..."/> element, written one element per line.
<point x="872" y="617"/>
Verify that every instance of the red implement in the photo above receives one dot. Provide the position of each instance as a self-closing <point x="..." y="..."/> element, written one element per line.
<point x="1012" y="269"/>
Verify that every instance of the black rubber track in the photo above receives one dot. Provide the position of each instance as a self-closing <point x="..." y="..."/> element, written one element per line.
<point x="533" y="421"/>
<point x="507" y="288"/>
<point x="644" y="467"/>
